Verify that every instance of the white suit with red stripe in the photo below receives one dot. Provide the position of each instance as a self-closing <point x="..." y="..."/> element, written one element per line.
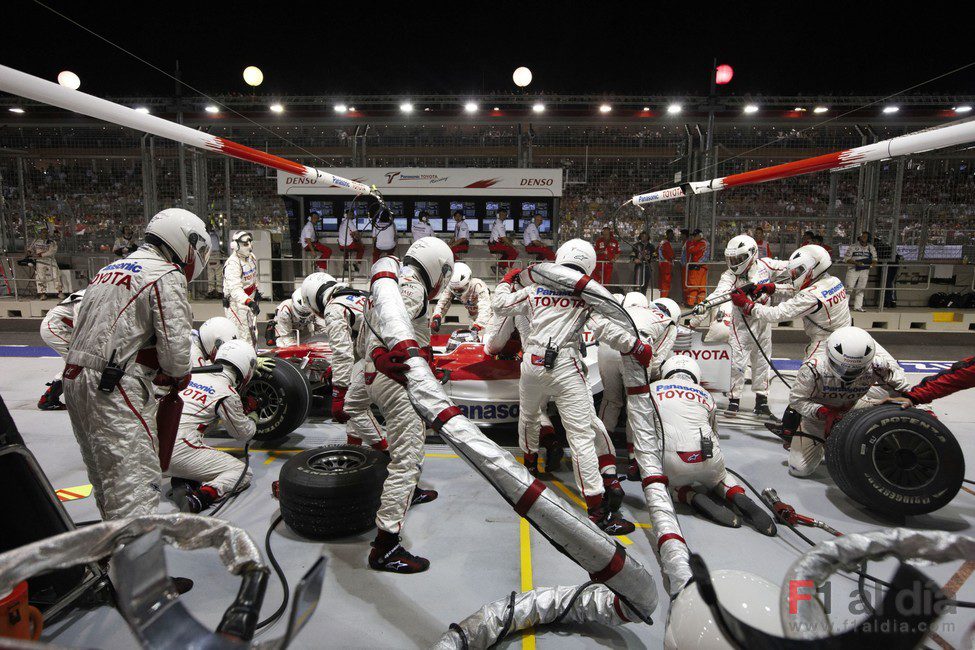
<point x="135" y="312"/>
<point x="57" y="328"/>
<point x="476" y="298"/>
<point x="823" y="307"/>
<point x="240" y="285"/>
<point x="688" y="415"/>
<point x="405" y="431"/>
<point x="744" y="350"/>
<point x="208" y="398"/>
<point x="341" y="322"/>
<point x="557" y="318"/>
<point x="289" y="323"/>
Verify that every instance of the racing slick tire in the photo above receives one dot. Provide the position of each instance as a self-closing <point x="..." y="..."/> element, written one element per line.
<point x="285" y="399"/>
<point x="895" y="461"/>
<point x="332" y="491"/>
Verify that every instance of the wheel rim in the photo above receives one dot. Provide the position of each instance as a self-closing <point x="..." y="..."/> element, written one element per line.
<point x="336" y="461"/>
<point x="269" y="399"/>
<point x="906" y="459"/>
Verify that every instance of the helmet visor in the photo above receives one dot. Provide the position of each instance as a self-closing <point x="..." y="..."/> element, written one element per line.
<point x="846" y="371"/>
<point x="737" y="259"/>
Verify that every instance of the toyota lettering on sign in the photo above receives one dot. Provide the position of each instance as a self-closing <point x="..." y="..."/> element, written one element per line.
<point x="422" y="181"/>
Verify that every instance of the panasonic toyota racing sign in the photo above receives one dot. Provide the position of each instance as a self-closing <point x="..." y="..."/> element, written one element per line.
<point x="465" y="181"/>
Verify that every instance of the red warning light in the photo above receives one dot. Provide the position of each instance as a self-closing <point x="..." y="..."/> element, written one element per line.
<point x="723" y="74"/>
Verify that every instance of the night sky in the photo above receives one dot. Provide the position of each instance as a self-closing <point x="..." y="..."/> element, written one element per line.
<point x="465" y="47"/>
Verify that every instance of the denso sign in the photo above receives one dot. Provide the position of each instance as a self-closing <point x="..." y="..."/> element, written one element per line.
<point x="433" y="181"/>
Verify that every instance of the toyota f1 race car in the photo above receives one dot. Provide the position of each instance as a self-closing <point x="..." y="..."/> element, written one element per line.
<point x="485" y="387"/>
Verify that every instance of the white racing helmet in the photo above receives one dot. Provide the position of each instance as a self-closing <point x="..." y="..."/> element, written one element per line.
<point x="243" y="243"/>
<point x="74" y="297"/>
<point x="668" y="307"/>
<point x="299" y="303"/>
<point x="214" y="332"/>
<point x="461" y="278"/>
<point x="740" y="252"/>
<point x="681" y="363"/>
<point x="807" y="264"/>
<point x="183" y="235"/>
<point x="433" y="260"/>
<point x="618" y="297"/>
<point x="850" y="351"/>
<point x="748" y="597"/>
<point x="241" y="356"/>
<point x="635" y="299"/>
<point x="316" y="290"/>
<point x="577" y="253"/>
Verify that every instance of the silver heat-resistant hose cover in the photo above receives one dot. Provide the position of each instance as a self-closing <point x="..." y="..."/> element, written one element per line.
<point x="92" y="543"/>
<point x="568" y="529"/>
<point x="596" y="604"/>
<point x="846" y="553"/>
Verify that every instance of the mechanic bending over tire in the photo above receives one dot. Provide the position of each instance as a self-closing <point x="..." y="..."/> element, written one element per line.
<point x="471" y="292"/>
<point x="853" y="371"/>
<point x="208" y="398"/>
<point x="241" y="294"/>
<point x="133" y="331"/>
<point x="551" y="370"/>
<point x="502" y="337"/>
<point x="57" y="329"/>
<point x="692" y="459"/>
<point x="427" y="267"/>
<point x="657" y="324"/>
<point x="292" y="320"/>
<point x="746" y="268"/>
<point x="960" y="376"/>
<point x="340" y="310"/>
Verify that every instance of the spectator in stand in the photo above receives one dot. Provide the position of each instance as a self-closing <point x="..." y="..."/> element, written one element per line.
<point x="125" y="243"/>
<point x="421" y="226"/>
<point x="960" y="376"/>
<point x="350" y="240"/>
<point x="462" y="235"/>
<point x="308" y="243"/>
<point x="861" y="256"/>
<point x="533" y="240"/>
<point x="807" y="238"/>
<point x="498" y="242"/>
<point x="665" y="265"/>
<point x="607" y="250"/>
<point x="764" y="249"/>
<point x="642" y="256"/>
<point x="694" y="252"/>
<point x="383" y="236"/>
<point x="818" y="241"/>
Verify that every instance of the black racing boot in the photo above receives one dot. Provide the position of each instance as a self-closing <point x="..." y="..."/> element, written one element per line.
<point x="531" y="463"/>
<point x="200" y="499"/>
<point x="613" y="492"/>
<point x="423" y="496"/>
<point x="633" y="471"/>
<point x="715" y="510"/>
<point x="762" y="409"/>
<point x="388" y="554"/>
<point x="553" y="449"/>
<point x="611" y="523"/>
<point x="732" y="410"/>
<point x="51" y="399"/>
<point x="756" y="516"/>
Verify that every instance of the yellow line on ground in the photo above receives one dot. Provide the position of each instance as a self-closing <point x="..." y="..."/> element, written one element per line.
<point x="582" y="504"/>
<point x="641" y="525"/>
<point x="271" y="455"/>
<point x="441" y="456"/>
<point x="527" y="583"/>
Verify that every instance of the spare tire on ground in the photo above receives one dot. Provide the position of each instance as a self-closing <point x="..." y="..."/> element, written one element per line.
<point x="895" y="461"/>
<point x="284" y="397"/>
<point x="332" y="491"/>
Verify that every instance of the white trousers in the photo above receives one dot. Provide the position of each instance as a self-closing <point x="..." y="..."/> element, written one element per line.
<point x="193" y="460"/>
<point x="361" y="424"/>
<point x="244" y="320"/>
<point x="745" y="353"/>
<point x="856" y="282"/>
<point x="48" y="276"/>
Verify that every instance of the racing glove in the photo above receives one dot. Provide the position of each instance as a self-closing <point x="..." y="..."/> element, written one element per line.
<point x="390" y="363"/>
<point x="741" y="300"/>
<point x="700" y="309"/>
<point x="254" y="307"/>
<point x="435" y="323"/>
<point x="767" y="288"/>
<point x="830" y="416"/>
<point x="511" y="277"/>
<point x="251" y="404"/>
<point x="642" y="353"/>
<point x="338" y="404"/>
<point x="162" y="379"/>
<point x="265" y="365"/>
<point x="477" y="330"/>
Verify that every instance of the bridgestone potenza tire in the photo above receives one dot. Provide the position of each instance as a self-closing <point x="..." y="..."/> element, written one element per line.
<point x="895" y="461"/>
<point x="285" y="399"/>
<point x="332" y="491"/>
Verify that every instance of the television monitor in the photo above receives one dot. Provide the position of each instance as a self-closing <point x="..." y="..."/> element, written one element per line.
<point x="328" y="224"/>
<point x="529" y="208"/>
<point x="466" y="208"/>
<point x="432" y="208"/>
